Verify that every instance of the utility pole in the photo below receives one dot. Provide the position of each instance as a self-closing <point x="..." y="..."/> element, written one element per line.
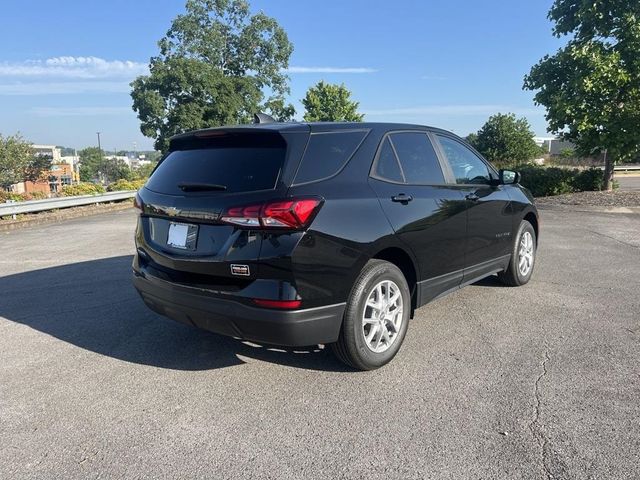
<point x="101" y="158"/>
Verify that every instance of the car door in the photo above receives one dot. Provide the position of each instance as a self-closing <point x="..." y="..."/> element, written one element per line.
<point x="489" y="215"/>
<point x="425" y="212"/>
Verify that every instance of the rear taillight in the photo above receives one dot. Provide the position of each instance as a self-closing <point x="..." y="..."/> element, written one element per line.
<point x="292" y="213"/>
<point x="137" y="202"/>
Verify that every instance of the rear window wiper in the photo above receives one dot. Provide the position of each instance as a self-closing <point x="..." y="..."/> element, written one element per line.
<point x="200" y="187"/>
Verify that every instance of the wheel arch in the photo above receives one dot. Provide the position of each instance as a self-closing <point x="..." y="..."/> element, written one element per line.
<point x="532" y="218"/>
<point x="404" y="261"/>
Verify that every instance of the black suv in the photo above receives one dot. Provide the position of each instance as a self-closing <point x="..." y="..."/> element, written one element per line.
<point x="325" y="233"/>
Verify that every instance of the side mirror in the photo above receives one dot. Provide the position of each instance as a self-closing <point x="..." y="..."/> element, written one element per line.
<point x="509" y="177"/>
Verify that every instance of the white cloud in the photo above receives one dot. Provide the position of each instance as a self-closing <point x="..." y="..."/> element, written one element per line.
<point x="330" y="70"/>
<point x="73" y="67"/>
<point x="79" y="111"/>
<point x="459" y="110"/>
<point x="64" y="88"/>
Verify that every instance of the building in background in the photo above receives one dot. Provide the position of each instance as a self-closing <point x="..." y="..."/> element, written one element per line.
<point x="51" y="150"/>
<point x="553" y="145"/>
<point x="63" y="171"/>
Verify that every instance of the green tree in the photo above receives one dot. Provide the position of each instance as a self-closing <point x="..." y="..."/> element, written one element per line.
<point x="18" y="162"/>
<point x="567" y="153"/>
<point x="506" y="140"/>
<point x="217" y="65"/>
<point x="36" y="167"/>
<point x="591" y="86"/>
<point x="114" y="169"/>
<point x="144" y="171"/>
<point x="91" y="164"/>
<point x="472" y="138"/>
<point x="66" y="151"/>
<point x="325" y="102"/>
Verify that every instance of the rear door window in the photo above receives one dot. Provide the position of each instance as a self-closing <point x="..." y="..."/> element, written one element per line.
<point x="327" y="153"/>
<point x="241" y="165"/>
<point x="387" y="166"/>
<point x="416" y="159"/>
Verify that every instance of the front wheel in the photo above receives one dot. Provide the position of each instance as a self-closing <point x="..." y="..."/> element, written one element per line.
<point x="523" y="257"/>
<point x="376" y="318"/>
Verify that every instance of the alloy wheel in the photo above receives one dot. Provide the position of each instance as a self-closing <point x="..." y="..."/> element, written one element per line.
<point x="525" y="254"/>
<point x="382" y="316"/>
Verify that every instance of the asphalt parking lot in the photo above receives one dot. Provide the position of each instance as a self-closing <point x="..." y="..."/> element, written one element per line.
<point x="629" y="182"/>
<point x="492" y="382"/>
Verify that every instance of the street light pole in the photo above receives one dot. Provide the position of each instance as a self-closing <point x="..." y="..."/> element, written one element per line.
<point x="99" y="147"/>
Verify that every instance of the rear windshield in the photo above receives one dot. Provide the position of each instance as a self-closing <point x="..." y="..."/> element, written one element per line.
<point x="241" y="164"/>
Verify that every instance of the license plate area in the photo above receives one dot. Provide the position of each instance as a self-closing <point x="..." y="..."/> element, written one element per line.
<point x="182" y="235"/>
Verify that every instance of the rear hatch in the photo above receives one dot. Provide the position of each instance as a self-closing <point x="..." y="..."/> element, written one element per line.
<point x="185" y="229"/>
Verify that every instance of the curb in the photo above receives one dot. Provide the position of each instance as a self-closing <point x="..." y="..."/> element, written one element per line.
<point x="66" y="214"/>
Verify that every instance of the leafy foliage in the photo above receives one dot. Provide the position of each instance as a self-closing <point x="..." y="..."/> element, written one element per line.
<point x="546" y="181"/>
<point x="116" y="169"/>
<point x="36" y="167"/>
<point x="144" y="171"/>
<point x="21" y="197"/>
<point x="83" y="188"/>
<point x="90" y="163"/>
<point x="326" y="102"/>
<point x="123" y="184"/>
<point x="66" y="151"/>
<point x="94" y="167"/>
<point x="215" y="66"/>
<point x="505" y="140"/>
<point x="18" y="162"/>
<point x="567" y="153"/>
<point x="591" y="86"/>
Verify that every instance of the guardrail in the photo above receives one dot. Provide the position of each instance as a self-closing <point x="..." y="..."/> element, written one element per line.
<point x="32" y="206"/>
<point x="626" y="168"/>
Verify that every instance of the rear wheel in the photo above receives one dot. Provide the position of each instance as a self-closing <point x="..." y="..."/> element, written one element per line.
<point x="376" y="318"/>
<point x="522" y="257"/>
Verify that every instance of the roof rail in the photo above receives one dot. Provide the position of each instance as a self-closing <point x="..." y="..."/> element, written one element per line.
<point x="263" y="118"/>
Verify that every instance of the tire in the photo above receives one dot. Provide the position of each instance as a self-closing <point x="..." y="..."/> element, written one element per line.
<point x="514" y="276"/>
<point x="376" y="279"/>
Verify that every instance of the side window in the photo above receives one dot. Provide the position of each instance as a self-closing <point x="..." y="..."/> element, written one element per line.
<point x="409" y="157"/>
<point x="387" y="166"/>
<point x="418" y="159"/>
<point x="326" y="154"/>
<point x="466" y="166"/>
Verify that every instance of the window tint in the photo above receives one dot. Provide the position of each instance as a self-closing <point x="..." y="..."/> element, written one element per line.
<point x="466" y="166"/>
<point x="418" y="159"/>
<point x="387" y="166"/>
<point x="240" y="169"/>
<point x="326" y="154"/>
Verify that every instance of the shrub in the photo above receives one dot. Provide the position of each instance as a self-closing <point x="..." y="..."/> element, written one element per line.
<point x="123" y="184"/>
<point x="589" y="180"/>
<point x="17" y="197"/>
<point x="83" y="188"/>
<point x="38" y="195"/>
<point x="547" y="181"/>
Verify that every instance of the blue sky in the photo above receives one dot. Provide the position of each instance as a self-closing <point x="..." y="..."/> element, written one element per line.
<point x="65" y="66"/>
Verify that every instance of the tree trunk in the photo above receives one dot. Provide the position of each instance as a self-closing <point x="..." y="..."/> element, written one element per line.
<point x="607" y="183"/>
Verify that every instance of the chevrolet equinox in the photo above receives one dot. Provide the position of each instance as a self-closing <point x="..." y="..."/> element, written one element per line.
<point x="300" y="234"/>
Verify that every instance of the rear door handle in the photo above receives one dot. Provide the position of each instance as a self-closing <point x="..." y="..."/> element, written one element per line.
<point x="402" y="198"/>
<point x="473" y="197"/>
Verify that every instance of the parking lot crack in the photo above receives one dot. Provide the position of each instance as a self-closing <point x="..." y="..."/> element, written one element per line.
<point x="628" y="244"/>
<point x="535" y="425"/>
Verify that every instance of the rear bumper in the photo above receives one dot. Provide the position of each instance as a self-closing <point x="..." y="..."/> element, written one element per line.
<point x="200" y="308"/>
